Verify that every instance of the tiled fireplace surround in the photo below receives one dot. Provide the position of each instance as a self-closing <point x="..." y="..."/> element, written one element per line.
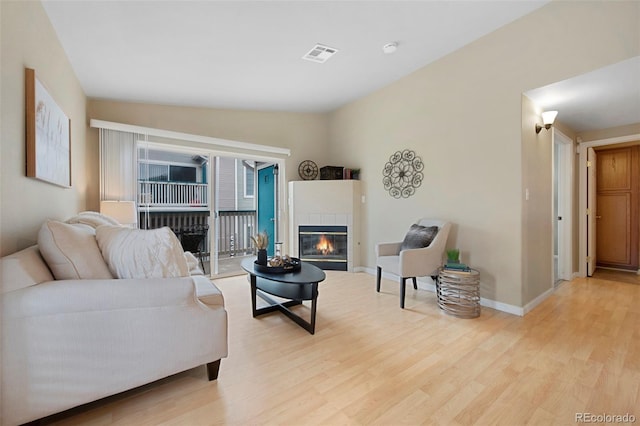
<point x="326" y="202"/>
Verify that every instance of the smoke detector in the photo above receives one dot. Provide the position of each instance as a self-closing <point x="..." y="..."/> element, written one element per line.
<point x="320" y="53"/>
<point x="390" y="47"/>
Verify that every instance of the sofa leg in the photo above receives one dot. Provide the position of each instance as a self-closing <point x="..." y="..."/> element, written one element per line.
<point x="415" y="283"/>
<point x="403" y="286"/>
<point x="378" y="276"/>
<point x="212" y="370"/>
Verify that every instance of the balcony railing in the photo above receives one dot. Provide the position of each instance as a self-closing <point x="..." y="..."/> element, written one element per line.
<point x="173" y="194"/>
<point x="236" y="229"/>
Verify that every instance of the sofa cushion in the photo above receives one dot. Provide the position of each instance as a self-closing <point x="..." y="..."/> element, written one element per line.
<point x="419" y="236"/>
<point x="137" y="253"/>
<point x="71" y="252"/>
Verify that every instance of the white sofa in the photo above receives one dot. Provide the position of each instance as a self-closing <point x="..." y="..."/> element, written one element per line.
<point x="69" y="342"/>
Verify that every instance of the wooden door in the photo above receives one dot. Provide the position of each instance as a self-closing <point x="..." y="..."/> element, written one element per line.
<point x="617" y="208"/>
<point x="591" y="211"/>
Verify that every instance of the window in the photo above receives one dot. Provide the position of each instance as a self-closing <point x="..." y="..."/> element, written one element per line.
<point x="249" y="180"/>
<point x="182" y="174"/>
<point x="166" y="173"/>
<point x="153" y="172"/>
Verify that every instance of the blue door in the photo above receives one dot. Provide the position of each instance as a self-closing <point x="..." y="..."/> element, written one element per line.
<point x="266" y="205"/>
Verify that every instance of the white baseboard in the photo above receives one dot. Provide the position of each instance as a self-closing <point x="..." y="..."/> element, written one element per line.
<point x="426" y="283"/>
<point x="535" y="302"/>
<point x="504" y="307"/>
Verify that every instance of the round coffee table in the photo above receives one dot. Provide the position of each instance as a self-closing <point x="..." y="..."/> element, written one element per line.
<point x="293" y="286"/>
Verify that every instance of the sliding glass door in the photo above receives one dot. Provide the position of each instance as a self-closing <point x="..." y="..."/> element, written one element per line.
<point x="173" y="190"/>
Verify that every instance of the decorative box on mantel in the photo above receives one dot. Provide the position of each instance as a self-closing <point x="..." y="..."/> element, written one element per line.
<point x="331" y="172"/>
<point x="324" y="221"/>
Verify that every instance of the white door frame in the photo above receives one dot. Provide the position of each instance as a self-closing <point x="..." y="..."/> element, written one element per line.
<point x="565" y="177"/>
<point x="582" y="197"/>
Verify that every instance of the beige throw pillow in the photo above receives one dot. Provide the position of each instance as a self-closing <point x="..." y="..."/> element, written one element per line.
<point x="136" y="253"/>
<point x="71" y="251"/>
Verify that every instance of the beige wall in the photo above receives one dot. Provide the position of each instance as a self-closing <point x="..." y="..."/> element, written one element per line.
<point x="537" y="225"/>
<point x="28" y="40"/>
<point x="463" y="115"/>
<point x="305" y="134"/>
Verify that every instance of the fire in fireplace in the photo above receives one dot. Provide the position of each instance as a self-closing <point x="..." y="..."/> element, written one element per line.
<point x="324" y="246"/>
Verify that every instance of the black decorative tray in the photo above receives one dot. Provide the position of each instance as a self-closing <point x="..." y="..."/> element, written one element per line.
<point x="292" y="267"/>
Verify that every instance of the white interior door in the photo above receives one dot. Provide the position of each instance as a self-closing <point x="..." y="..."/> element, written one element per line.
<point x="562" y="206"/>
<point x="591" y="211"/>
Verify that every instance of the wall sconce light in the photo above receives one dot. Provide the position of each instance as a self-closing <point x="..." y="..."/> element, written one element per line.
<point x="548" y="117"/>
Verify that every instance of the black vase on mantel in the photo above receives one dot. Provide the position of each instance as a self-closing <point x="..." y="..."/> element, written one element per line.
<point x="262" y="257"/>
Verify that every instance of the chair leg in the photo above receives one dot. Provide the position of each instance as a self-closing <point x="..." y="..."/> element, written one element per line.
<point x="435" y="282"/>
<point x="403" y="286"/>
<point x="415" y="283"/>
<point x="378" y="276"/>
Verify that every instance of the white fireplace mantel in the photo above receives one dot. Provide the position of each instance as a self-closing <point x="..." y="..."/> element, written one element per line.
<point x="326" y="202"/>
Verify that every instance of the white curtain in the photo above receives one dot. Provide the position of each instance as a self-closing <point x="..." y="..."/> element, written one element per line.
<point x="119" y="165"/>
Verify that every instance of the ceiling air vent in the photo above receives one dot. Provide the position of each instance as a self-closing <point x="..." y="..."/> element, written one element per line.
<point x="320" y="53"/>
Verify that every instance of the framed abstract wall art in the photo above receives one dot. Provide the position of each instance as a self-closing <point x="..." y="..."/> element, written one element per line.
<point x="48" y="132"/>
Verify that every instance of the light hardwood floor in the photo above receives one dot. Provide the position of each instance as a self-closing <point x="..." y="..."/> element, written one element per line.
<point x="372" y="363"/>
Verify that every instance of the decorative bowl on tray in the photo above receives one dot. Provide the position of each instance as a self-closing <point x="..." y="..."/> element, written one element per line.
<point x="279" y="265"/>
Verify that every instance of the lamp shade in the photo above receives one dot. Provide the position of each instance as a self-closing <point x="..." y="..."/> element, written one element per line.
<point x="548" y="117"/>
<point x="122" y="211"/>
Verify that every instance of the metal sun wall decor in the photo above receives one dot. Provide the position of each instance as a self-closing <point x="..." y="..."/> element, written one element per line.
<point x="402" y="174"/>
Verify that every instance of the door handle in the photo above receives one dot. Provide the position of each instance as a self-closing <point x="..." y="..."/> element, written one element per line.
<point x="598" y="217"/>
<point x="559" y="217"/>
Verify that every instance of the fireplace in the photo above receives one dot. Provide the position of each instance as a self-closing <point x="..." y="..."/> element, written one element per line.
<point x="329" y="207"/>
<point x="324" y="246"/>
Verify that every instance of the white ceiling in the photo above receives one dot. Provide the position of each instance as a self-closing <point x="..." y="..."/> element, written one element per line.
<point x="247" y="54"/>
<point x="604" y="98"/>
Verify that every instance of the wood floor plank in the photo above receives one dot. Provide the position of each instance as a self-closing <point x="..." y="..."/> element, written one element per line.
<point x="371" y="362"/>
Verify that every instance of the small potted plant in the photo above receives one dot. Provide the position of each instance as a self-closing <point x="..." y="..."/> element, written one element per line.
<point x="453" y="255"/>
<point x="261" y="241"/>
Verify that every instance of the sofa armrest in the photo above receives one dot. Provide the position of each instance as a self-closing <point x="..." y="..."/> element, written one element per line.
<point x="207" y="292"/>
<point x="388" y="249"/>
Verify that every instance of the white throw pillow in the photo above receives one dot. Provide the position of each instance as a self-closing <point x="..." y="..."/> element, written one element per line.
<point x="71" y="251"/>
<point x="192" y="264"/>
<point x="93" y="219"/>
<point x="137" y="253"/>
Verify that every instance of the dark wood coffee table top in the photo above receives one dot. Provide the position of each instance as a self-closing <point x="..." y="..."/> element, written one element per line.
<point x="307" y="274"/>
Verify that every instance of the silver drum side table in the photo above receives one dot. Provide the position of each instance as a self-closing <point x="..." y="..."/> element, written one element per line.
<point x="459" y="293"/>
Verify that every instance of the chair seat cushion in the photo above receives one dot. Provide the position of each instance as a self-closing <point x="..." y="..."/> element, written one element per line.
<point x="419" y="236"/>
<point x="389" y="264"/>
